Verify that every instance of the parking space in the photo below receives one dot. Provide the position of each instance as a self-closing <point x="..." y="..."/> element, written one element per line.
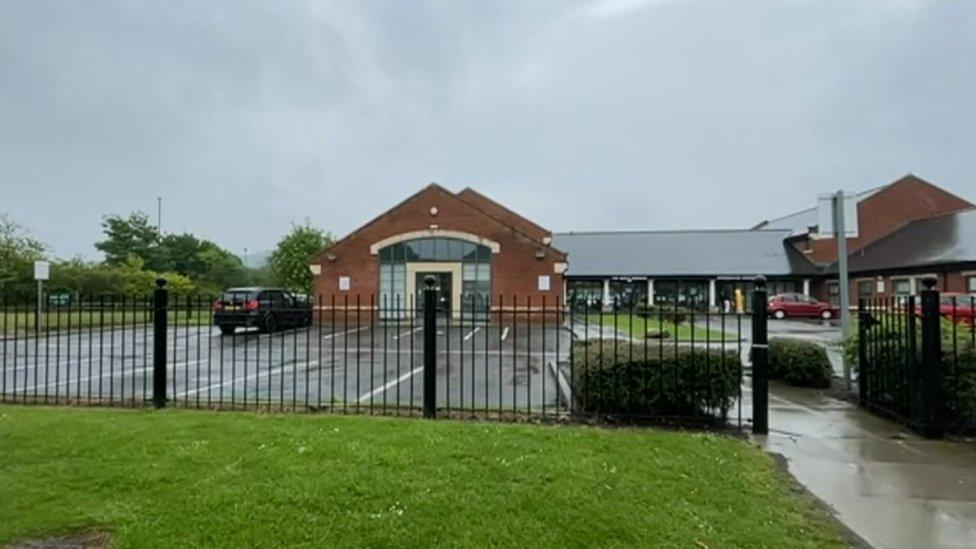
<point x="479" y="367"/>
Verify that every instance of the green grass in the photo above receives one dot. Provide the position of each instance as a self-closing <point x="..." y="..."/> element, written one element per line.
<point x="24" y="320"/>
<point x="637" y="327"/>
<point x="184" y="478"/>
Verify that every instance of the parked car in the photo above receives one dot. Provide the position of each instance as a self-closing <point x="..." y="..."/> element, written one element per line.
<point x="798" y="305"/>
<point x="268" y="309"/>
<point x="955" y="306"/>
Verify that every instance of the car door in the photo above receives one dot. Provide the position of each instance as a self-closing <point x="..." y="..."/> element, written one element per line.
<point x="807" y="306"/>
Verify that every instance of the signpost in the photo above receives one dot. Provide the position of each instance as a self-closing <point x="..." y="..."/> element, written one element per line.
<point x="42" y="272"/>
<point x="837" y="217"/>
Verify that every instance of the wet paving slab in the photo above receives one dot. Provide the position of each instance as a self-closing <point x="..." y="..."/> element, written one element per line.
<point x="891" y="487"/>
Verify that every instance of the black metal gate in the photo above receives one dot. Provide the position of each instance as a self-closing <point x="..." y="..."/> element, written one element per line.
<point x="917" y="360"/>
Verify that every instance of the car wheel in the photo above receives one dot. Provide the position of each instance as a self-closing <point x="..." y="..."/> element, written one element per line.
<point x="226" y="330"/>
<point x="779" y="315"/>
<point x="270" y="324"/>
<point x="826" y="314"/>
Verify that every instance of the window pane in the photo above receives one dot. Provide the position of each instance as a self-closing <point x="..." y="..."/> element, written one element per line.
<point x="484" y="254"/>
<point x="469" y="252"/>
<point x="426" y="249"/>
<point x="972" y="284"/>
<point x="386" y="254"/>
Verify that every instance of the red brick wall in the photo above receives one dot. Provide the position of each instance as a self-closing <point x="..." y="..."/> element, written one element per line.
<point x="515" y="269"/>
<point x="905" y="200"/>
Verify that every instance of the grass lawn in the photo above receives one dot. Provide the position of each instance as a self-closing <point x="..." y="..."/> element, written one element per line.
<point x="24" y="320"/>
<point x="639" y="326"/>
<point x="185" y="478"/>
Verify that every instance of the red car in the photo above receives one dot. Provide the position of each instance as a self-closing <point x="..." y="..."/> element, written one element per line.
<point x="784" y="305"/>
<point x="955" y="306"/>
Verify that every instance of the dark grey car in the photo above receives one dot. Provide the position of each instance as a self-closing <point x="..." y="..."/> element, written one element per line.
<point x="267" y="309"/>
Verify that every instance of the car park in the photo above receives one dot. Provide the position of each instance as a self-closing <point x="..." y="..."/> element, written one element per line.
<point x="798" y="305"/>
<point x="267" y="309"/>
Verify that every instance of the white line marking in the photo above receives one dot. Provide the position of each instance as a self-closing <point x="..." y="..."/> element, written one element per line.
<point x="408" y="332"/>
<point x="105" y="373"/>
<point x="352" y="331"/>
<point x="471" y="333"/>
<point x="390" y="385"/>
<point x="505" y="333"/>
<point x="236" y="381"/>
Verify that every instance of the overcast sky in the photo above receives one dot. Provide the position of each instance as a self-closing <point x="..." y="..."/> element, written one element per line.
<point x="602" y="114"/>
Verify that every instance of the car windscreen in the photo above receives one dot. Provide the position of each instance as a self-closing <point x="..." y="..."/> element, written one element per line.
<point x="237" y="297"/>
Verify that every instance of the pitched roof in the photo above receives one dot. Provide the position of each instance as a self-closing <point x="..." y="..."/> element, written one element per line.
<point x="682" y="253"/>
<point x="799" y="223"/>
<point x="468" y="204"/>
<point x="939" y="240"/>
<point x="503" y="214"/>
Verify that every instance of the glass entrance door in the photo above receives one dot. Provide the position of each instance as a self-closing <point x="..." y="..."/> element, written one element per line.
<point x="443" y="286"/>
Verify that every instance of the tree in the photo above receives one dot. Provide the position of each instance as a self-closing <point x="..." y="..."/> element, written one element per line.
<point x="293" y="254"/>
<point x="130" y="236"/>
<point x="18" y="251"/>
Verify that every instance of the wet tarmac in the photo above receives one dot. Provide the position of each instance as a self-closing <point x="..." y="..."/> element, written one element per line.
<point x="891" y="487"/>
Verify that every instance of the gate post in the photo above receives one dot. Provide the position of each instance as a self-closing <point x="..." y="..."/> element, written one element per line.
<point x="160" y="304"/>
<point x="933" y="375"/>
<point x="430" y="348"/>
<point x="760" y="350"/>
<point x="863" y="320"/>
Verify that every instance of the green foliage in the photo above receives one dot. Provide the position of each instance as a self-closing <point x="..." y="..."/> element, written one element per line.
<point x="675" y="315"/>
<point x="18" y="251"/>
<point x="293" y="254"/>
<point x="211" y="268"/>
<point x="612" y="377"/>
<point x="127" y="237"/>
<point x="798" y="362"/>
<point x="129" y="278"/>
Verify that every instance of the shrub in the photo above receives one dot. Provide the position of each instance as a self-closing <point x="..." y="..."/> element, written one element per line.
<point x="670" y="315"/>
<point x="800" y="363"/>
<point x="618" y="378"/>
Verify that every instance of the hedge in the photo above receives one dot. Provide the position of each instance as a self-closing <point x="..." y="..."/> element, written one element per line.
<point x="798" y="362"/>
<point x="675" y="315"/>
<point x="664" y="383"/>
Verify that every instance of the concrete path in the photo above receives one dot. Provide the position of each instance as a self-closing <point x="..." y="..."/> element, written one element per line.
<point x="891" y="487"/>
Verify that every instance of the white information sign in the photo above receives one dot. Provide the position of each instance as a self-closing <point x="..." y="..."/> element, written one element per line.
<point x="544" y="283"/>
<point x="343" y="283"/>
<point x="42" y="270"/>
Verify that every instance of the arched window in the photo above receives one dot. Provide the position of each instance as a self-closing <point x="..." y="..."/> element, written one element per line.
<point x="475" y="267"/>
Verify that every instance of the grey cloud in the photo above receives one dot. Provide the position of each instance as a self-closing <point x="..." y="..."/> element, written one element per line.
<point x="247" y="116"/>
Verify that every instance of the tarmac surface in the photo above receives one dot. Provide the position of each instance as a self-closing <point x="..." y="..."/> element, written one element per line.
<point x="508" y="367"/>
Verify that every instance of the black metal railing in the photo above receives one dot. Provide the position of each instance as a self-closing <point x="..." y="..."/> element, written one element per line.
<point x="917" y="360"/>
<point x="514" y="358"/>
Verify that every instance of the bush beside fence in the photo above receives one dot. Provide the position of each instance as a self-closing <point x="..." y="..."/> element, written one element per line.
<point x="800" y="363"/>
<point x="622" y="378"/>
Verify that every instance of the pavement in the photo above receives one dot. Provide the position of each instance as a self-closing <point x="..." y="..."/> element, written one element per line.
<point x="891" y="487"/>
<point x="506" y="366"/>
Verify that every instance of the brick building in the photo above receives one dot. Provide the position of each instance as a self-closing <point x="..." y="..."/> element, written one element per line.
<point x="907" y="230"/>
<point x="475" y="248"/>
<point x="478" y="250"/>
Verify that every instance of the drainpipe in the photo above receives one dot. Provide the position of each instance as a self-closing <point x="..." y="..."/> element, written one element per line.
<point x="806" y="287"/>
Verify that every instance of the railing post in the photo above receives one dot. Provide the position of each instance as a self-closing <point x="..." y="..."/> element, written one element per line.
<point x="160" y="304"/>
<point x="430" y="348"/>
<point x="933" y="375"/>
<point x="760" y="350"/>
<point x="863" y="322"/>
